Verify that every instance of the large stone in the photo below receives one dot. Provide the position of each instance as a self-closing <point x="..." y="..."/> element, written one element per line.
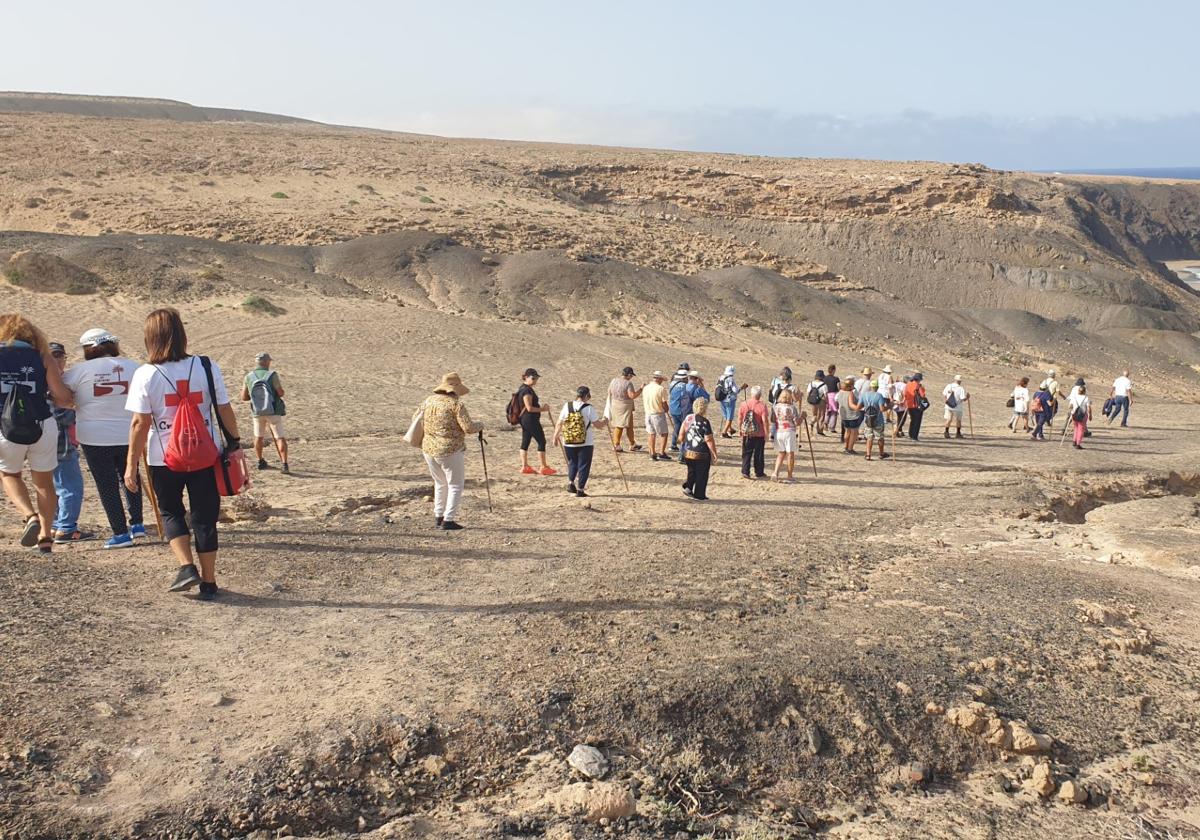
<point x="1073" y="792"/>
<point x="589" y="761"/>
<point x="595" y="801"/>
<point x="1028" y="742"/>
<point x="1042" y="781"/>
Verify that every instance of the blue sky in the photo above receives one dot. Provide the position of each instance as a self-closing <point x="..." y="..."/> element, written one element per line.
<point x="1049" y="84"/>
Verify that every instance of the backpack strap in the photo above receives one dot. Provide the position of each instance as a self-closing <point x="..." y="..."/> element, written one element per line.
<point x="230" y="440"/>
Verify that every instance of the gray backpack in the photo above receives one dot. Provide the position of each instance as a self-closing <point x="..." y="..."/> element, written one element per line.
<point x="262" y="396"/>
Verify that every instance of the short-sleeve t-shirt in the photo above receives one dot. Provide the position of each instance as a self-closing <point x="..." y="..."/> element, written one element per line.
<point x="832" y="383"/>
<point x="785" y="416"/>
<point x="1078" y="402"/>
<point x="1020" y="396"/>
<point x="654" y="399"/>
<point x="158" y="389"/>
<point x="529" y="416"/>
<point x="1122" y="385"/>
<point x="589" y="418"/>
<point x="873" y="398"/>
<point x="101" y="387"/>
<point x="959" y="392"/>
<point x="619" y="388"/>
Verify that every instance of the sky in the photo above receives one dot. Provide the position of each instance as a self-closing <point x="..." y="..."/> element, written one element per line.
<point x="1054" y="84"/>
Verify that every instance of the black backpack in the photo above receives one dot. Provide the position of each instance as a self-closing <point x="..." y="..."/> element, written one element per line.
<point x="721" y="394"/>
<point x="814" y="395"/>
<point x="18" y="423"/>
<point x="776" y="390"/>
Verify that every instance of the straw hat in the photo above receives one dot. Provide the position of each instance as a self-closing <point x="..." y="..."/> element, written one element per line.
<point x="887" y="368"/>
<point x="452" y="383"/>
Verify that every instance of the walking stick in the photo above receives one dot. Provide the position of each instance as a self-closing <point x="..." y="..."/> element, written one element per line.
<point x="149" y="485"/>
<point x="895" y="437"/>
<point x="808" y="434"/>
<point x="617" y="455"/>
<point x="970" y="419"/>
<point x="1070" y="422"/>
<point x="487" y="483"/>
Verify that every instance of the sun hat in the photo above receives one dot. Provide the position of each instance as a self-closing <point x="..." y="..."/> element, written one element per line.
<point x="887" y="368"/>
<point x="819" y="375"/>
<point x="729" y="371"/>
<point x="95" y="336"/>
<point x="452" y="383"/>
<point x="56" y="348"/>
<point x="658" y="374"/>
<point x="866" y="371"/>
<point x="682" y="372"/>
<point x="263" y="357"/>
<point x="694" y="374"/>
<point x="918" y="377"/>
<point x="628" y="371"/>
<point x="958" y="377"/>
<point x="531" y="372"/>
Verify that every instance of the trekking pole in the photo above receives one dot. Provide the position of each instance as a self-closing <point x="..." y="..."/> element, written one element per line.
<point x="275" y="441"/>
<point x="808" y="434"/>
<point x="487" y="484"/>
<point x="970" y="419"/>
<point x="149" y="485"/>
<point x="1070" y="422"/>
<point x="617" y="455"/>
<point x="895" y="437"/>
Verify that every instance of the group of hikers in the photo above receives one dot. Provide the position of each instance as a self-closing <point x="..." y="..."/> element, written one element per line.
<point x="677" y="424"/>
<point x="172" y="416"/>
<point x="123" y="416"/>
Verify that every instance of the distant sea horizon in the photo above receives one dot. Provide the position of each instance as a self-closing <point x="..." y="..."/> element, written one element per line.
<point x="1182" y="173"/>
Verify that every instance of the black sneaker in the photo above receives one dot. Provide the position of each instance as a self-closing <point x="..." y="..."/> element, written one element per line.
<point x="581" y="494"/>
<point x="437" y="521"/>
<point x="208" y="591"/>
<point x="186" y="579"/>
<point x="946" y="434"/>
<point x="958" y="435"/>
<point x="451" y="526"/>
<point x="284" y="469"/>
<point x="571" y="488"/>
<point x="262" y="463"/>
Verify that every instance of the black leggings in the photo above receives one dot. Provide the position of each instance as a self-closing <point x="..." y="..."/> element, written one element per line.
<point x="203" y="498"/>
<point x="697" y="475"/>
<point x="107" y="466"/>
<point x="531" y="430"/>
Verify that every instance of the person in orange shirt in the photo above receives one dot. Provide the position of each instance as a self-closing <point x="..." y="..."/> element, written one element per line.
<point x="915" y="403"/>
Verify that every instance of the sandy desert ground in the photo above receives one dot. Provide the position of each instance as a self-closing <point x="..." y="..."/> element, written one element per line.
<point x="875" y="653"/>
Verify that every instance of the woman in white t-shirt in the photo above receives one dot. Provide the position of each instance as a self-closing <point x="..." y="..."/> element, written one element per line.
<point x="1020" y="405"/>
<point x="155" y="394"/>
<point x="100" y="385"/>
<point x="579" y="454"/>
<point x="1081" y="413"/>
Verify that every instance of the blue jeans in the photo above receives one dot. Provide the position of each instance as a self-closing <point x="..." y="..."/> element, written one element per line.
<point x="579" y="464"/>
<point x="1120" y="405"/>
<point x="68" y="483"/>
<point x="677" y="419"/>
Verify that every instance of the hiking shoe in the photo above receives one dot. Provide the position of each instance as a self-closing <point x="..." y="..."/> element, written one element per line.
<point x="451" y="526"/>
<point x="549" y="471"/>
<point x="284" y="469"/>
<point x="119" y="541"/>
<point x="262" y="464"/>
<point x="958" y="435"/>
<point x="528" y="471"/>
<point x="571" y="488"/>
<point x="437" y="521"/>
<point x="62" y="537"/>
<point x="581" y="494"/>
<point x="29" y="536"/>
<point x="1077" y="446"/>
<point x="637" y="448"/>
<point x="946" y="434"/>
<point x="208" y="591"/>
<point x="186" y="579"/>
<point x="138" y="531"/>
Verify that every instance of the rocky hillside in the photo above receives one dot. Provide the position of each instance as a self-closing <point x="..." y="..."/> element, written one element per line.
<point x="1082" y="253"/>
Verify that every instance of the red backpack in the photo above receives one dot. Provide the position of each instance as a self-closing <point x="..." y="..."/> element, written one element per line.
<point x="190" y="446"/>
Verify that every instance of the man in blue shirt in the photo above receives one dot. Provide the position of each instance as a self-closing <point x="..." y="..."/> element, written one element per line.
<point x="679" y="403"/>
<point x="874" y="406"/>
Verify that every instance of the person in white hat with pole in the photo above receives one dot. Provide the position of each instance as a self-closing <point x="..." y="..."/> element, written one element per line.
<point x="956" y="397"/>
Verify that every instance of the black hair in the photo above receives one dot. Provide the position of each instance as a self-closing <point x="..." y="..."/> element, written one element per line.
<point x="583" y="392"/>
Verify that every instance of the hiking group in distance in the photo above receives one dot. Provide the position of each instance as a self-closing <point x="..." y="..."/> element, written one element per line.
<point x="677" y="425"/>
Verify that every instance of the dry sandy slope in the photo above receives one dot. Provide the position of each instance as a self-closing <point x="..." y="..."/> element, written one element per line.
<point x="354" y="641"/>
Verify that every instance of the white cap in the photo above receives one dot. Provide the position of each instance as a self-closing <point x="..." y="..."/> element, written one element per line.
<point x="958" y="377"/>
<point x="96" y="336"/>
<point x="694" y="373"/>
<point x="887" y="368"/>
<point x="729" y="370"/>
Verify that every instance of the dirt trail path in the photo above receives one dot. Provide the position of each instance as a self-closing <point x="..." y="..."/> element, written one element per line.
<point x="353" y="642"/>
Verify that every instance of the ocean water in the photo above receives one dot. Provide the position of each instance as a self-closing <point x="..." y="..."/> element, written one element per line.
<point x="1186" y="173"/>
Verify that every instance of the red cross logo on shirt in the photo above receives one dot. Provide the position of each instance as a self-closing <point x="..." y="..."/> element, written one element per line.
<point x="183" y="392"/>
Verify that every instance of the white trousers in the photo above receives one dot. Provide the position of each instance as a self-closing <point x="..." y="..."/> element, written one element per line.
<point x="449" y="475"/>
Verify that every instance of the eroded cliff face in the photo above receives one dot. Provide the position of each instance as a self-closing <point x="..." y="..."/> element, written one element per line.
<point x="1084" y="251"/>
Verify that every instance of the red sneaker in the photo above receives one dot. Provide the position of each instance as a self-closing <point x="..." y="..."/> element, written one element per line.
<point x="549" y="471"/>
<point x="528" y="471"/>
